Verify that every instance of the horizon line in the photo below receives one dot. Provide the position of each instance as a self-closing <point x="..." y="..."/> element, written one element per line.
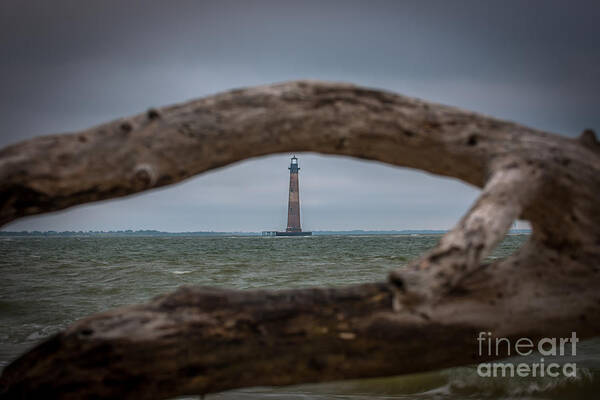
<point x="155" y="231"/>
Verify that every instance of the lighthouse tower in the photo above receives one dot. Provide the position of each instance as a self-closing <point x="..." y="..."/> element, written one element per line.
<point x="293" y="222"/>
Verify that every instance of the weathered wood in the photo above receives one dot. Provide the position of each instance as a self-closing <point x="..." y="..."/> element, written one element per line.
<point x="200" y="340"/>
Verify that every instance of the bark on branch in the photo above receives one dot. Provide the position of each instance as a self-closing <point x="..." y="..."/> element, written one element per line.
<point x="426" y="316"/>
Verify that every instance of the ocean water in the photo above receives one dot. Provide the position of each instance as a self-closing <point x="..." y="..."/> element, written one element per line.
<point x="50" y="282"/>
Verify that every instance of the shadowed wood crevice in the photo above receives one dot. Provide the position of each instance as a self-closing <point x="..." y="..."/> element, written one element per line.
<point x="426" y="316"/>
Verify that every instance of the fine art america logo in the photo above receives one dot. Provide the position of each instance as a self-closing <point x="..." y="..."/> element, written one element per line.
<point x="546" y="347"/>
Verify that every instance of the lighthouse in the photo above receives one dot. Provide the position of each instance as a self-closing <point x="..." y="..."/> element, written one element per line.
<point x="293" y="220"/>
<point x="293" y="213"/>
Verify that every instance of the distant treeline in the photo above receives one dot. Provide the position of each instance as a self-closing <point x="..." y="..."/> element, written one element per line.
<point x="124" y="233"/>
<point x="211" y="233"/>
<point x="403" y="232"/>
<point x="389" y="232"/>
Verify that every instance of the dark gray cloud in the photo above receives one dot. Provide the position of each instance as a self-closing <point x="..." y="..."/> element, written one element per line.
<point x="68" y="65"/>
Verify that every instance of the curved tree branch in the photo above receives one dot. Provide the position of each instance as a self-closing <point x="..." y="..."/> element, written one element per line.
<point x="166" y="145"/>
<point x="462" y="250"/>
<point x="200" y="340"/>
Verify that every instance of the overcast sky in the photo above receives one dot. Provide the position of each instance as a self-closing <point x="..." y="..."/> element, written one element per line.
<point x="68" y="65"/>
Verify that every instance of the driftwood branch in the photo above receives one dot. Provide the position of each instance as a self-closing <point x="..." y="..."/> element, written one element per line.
<point x="426" y="316"/>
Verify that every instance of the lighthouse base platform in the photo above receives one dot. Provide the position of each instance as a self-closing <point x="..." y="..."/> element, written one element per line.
<point x="277" y="233"/>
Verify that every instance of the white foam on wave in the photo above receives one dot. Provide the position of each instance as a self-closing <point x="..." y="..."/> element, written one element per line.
<point x="181" y="272"/>
<point x="43" y="332"/>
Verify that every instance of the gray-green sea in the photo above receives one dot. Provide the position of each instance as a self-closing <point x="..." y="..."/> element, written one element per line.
<point x="49" y="282"/>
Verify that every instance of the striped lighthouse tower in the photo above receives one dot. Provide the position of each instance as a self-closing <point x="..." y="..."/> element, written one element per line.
<point x="293" y="222"/>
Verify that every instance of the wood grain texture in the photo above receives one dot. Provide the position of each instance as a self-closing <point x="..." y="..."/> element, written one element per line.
<point x="425" y="316"/>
